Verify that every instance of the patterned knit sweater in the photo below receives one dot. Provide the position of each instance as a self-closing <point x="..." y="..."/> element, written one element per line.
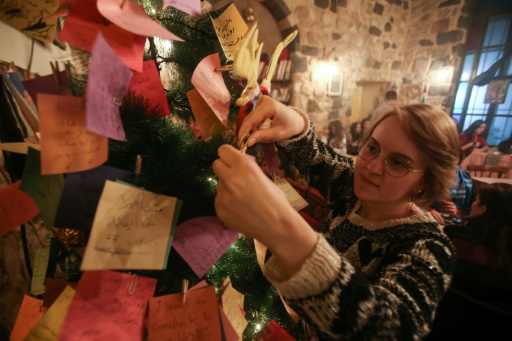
<point x="364" y="280"/>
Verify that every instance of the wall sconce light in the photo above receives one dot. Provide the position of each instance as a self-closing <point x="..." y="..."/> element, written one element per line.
<point x="442" y="76"/>
<point x="323" y="70"/>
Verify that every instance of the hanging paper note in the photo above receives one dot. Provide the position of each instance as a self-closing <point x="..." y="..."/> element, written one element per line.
<point x="41" y="258"/>
<point x="48" y="85"/>
<point x="63" y="9"/>
<point x="67" y="146"/>
<point x="210" y="84"/>
<point x="228" y="332"/>
<point x="132" y="17"/>
<point x="106" y="87"/>
<point x="18" y="147"/>
<point x="16" y="207"/>
<point x="44" y="189"/>
<point x="231" y="28"/>
<point x="274" y="331"/>
<point x="196" y="319"/>
<point x="201" y="241"/>
<point x="30" y="313"/>
<point x="49" y="325"/>
<point x="81" y="194"/>
<point x="132" y="229"/>
<point x="83" y="24"/>
<point x="29" y="17"/>
<point x="232" y="303"/>
<point x="192" y="7"/>
<point x="108" y="305"/>
<point x="149" y="86"/>
<point x="206" y="119"/>
<point x="293" y="197"/>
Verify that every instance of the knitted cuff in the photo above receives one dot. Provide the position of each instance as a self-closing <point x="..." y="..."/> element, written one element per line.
<point x="295" y="138"/>
<point x="317" y="273"/>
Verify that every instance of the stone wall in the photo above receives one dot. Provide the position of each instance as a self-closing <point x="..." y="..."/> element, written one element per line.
<point x="413" y="44"/>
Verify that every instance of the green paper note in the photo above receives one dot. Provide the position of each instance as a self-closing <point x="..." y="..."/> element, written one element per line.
<point x="44" y="189"/>
<point x="39" y="272"/>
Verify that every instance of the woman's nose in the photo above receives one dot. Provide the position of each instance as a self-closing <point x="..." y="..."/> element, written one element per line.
<point x="376" y="165"/>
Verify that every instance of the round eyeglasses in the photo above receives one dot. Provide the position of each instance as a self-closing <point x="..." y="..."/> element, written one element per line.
<point x="395" y="165"/>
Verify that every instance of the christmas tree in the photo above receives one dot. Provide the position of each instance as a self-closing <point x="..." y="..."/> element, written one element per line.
<point x="177" y="162"/>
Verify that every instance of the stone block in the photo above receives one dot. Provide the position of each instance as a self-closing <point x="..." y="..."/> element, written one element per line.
<point x="310" y="50"/>
<point x="323" y="4"/>
<point x="311" y="105"/>
<point x="440" y="26"/>
<point x="387" y="27"/>
<point x="278" y="8"/>
<point x="396" y="65"/>
<point x="375" y="31"/>
<point x="426" y="42"/>
<point x="439" y="90"/>
<point x="300" y="64"/>
<point x="448" y="37"/>
<point x="449" y="3"/>
<point x="463" y="21"/>
<point x="378" y="8"/>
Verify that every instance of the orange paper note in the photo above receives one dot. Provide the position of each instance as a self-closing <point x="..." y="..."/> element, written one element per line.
<point x="210" y="84"/>
<point x="30" y="313"/>
<point x="16" y="207"/>
<point x="108" y="306"/>
<point x="66" y="145"/>
<point x="196" y="319"/>
<point x="83" y="24"/>
<point x="206" y="119"/>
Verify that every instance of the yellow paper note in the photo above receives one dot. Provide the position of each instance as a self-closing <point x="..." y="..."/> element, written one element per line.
<point x="131" y="229"/>
<point x="18" y="147"/>
<point x="67" y="146"/>
<point x="30" y="313"/>
<point x="39" y="272"/>
<point x="48" y="327"/>
<point x="208" y="122"/>
<point x="232" y="301"/>
<point x="231" y="29"/>
<point x="29" y="17"/>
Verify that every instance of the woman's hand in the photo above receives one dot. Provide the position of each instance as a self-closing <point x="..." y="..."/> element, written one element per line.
<point x="437" y="216"/>
<point x="286" y="123"/>
<point x="250" y="203"/>
<point x="448" y="207"/>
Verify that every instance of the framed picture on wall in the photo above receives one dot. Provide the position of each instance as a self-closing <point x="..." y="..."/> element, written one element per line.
<point x="496" y="91"/>
<point x="335" y="85"/>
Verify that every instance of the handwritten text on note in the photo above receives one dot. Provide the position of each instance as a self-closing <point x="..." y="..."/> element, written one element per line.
<point x="231" y="29"/>
<point x="131" y="230"/>
<point x="196" y="319"/>
<point x="201" y="242"/>
<point x="108" y="305"/>
<point x="106" y="87"/>
<point x="67" y="146"/>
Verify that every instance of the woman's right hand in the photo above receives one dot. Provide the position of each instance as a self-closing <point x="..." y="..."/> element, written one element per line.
<point x="285" y="123"/>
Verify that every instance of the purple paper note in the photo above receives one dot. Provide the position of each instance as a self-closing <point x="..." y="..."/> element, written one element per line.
<point x="106" y="87"/>
<point x="202" y="241"/>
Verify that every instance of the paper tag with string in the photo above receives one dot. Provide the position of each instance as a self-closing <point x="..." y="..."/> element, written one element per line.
<point x="294" y="198"/>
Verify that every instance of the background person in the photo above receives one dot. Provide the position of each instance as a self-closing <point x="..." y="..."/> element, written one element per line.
<point x="471" y="138"/>
<point x="390" y="101"/>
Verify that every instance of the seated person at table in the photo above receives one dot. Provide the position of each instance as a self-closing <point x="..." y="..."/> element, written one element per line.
<point x="460" y="201"/>
<point x="505" y="147"/>
<point x="471" y="138"/>
<point x="478" y="305"/>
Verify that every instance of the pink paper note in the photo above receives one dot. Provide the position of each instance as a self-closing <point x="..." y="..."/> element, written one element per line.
<point x="108" y="306"/>
<point x="202" y="241"/>
<point x="83" y="24"/>
<point x="192" y="7"/>
<point x="210" y="85"/>
<point x="132" y="17"/>
<point x="106" y="87"/>
<point x="148" y="85"/>
<point x="67" y="146"/>
<point x="16" y="207"/>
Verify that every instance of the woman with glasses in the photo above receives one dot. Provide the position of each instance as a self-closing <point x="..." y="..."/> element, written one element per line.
<point x="383" y="264"/>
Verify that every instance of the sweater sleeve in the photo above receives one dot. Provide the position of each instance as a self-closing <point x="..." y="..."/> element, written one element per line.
<point x="319" y="165"/>
<point x="342" y="303"/>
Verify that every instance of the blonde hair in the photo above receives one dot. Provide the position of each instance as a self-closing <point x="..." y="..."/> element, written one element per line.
<point x="436" y="136"/>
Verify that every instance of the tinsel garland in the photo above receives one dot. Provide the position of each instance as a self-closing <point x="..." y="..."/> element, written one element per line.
<point x="177" y="164"/>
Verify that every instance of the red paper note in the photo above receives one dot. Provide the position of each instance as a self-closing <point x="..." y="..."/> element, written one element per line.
<point x="30" y="313"/>
<point x="106" y="86"/>
<point x="274" y="332"/>
<point x="16" y="207"/>
<point x="148" y="85"/>
<point x="132" y="17"/>
<point x="197" y="319"/>
<point x="108" y="306"/>
<point x="53" y="288"/>
<point x="210" y="84"/>
<point x="66" y="145"/>
<point x="83" y="24"/>
<point x="201" y="242"/>
<point x="48" y="85"/>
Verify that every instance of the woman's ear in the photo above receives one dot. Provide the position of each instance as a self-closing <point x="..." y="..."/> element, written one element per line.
<point x="480" y="209"/>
